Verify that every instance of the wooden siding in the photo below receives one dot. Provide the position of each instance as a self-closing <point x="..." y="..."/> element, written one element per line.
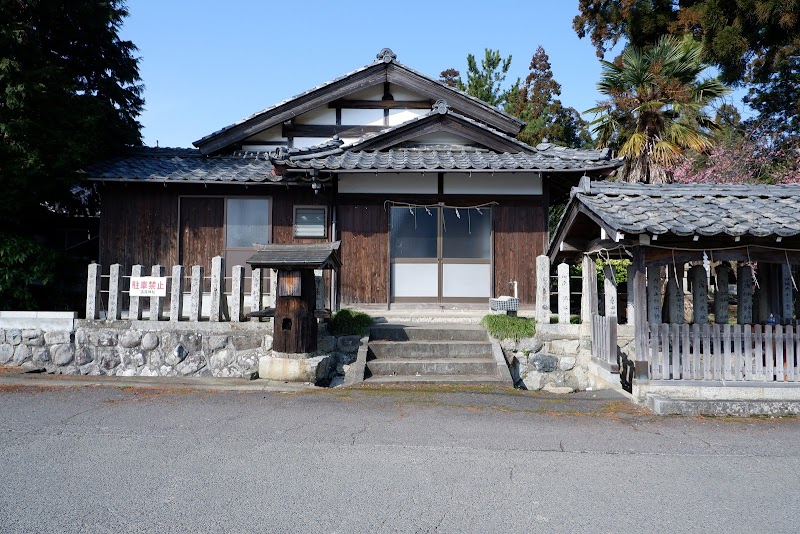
<point x="138" y="225"/>
<point x="520" y="234"/>
<point x="202" y="230"/>
<point x="283" y="203"/>
<point x="364" y="230"/>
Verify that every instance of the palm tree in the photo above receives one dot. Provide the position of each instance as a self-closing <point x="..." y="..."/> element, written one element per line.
<point x="656" y="107"/>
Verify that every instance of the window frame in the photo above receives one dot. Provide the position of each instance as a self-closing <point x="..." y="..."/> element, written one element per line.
<point x="324" y="225"/>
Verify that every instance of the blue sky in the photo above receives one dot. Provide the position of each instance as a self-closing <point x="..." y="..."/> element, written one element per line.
<point x="206" y="64"/>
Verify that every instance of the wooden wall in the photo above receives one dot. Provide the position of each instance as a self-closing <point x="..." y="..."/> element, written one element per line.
<point x="283" y="202"/>
<point x="520" y="234"/>
<point x="364" y="231"/>
<point x="202" y="227"/>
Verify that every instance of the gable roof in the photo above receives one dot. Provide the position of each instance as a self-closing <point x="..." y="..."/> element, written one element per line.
<point x="297" y="256"/>
<point x="384" y="69"/>
<point x="759" y="211"/>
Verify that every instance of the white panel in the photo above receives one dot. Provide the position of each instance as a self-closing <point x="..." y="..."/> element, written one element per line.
<point x="362" y="117"/>
<point x="301" y="142"/>
<point x="442" y="138"/>
<point x="415" y="280"/>
<point x="401" y="93"/>
<point x="371" y="93"/>
<point x="500" y="183"/>
<point x="272" y="134"/>
<point x="389" y="183"/>
<point x="399" y="116"/>
<point x="466" y="280"/>
<point x="322" y="115"/>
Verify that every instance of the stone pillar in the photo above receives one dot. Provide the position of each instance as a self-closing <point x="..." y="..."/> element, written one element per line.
<point x="629" y="302"/>
<point x="542" y="289"/>
<point x="699" y="278"/>
<point x="157" y="303"/>
<point x="653" y="294"/>
<point x="93" y="291"/>
<point x="273" y="286"/>
<point x="217" y="288"/>
<point x="675" y="294"/>
<point x="135" y="308"/>
<point x="115" y="293"/>
<point x="722" y="294"/>
<point x="196" y="295"/>
<point x="744" y="292"/>
<point x="237" y="289"/>
<point x="176" y="294"/>
<point x="255" y="291"/>
<point x="588" y="289"/>
<point x="638" y="279"/>
<point x="563" y="293"/>
<point x="787" y="295"/>
<point x="610" y="287"/>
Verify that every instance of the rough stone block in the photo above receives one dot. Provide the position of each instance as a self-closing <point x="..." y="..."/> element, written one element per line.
<point x="534" y="381"/>
<point x="122" y="371"/>
<point x="2" y="336"/>
<point x="266" y="344"/>
<point x="40" y="355"/>
<point x="63" y="354"/>
<point x="246" y="342"/>
<point x="559" y="390"/>
<point x="108" y="358"/>
<point x="155" y="359"/>
<point x="131" y="339"/>
<point x="326" y="344"/>
<point x="57" y="337"/>
<point x="348" y="343"/>
<point x="566" y="363"/>
<point x="192" y="342"/>
<point x="103" y="338"/>
<point x="133" y="359"/>
<point x="217" y="342"/>
<point x="6" y="353"/>
<point x="221" y="359"/>
<point x="147" y="371"/>
<point x="530" y="344"/>
<point x="22" y="353"/>
<point x="84" y="355"/>
<point x="191" y="365"/>
<point x="91" y="369"/>
<point x="150" y="341"/>
<point x="176" y="356"/>
<point x="544" y="363"/>
<point x="14" y="337"/>
<point x="290" y="370"/>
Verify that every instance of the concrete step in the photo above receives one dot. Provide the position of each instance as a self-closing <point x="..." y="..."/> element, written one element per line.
<point x="433" y="366"/>
<point x="431" y="332"/>
<point x="430" y="349"/>
<point x="441" y="379"/>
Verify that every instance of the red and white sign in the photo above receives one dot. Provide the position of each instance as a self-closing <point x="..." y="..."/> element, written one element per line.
<point x="148" y="286"/>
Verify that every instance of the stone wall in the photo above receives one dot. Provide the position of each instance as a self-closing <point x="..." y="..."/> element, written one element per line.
<point x="62" y="344"/>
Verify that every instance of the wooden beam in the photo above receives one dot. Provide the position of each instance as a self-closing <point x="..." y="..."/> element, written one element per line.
<point x="329" y="130"/>
<point x="381" y="104"/>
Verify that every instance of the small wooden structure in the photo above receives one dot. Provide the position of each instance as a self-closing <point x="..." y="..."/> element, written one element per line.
<point x="295" y="326"/>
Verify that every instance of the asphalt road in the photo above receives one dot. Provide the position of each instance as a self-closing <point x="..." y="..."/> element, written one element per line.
<point x="105" y="459"/>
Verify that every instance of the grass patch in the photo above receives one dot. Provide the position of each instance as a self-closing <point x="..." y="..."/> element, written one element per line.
<point x="506" y="327"/>
<point x="346" y="322"/>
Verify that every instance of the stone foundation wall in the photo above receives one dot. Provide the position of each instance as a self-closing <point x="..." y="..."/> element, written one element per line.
<point x="65" y="345"/>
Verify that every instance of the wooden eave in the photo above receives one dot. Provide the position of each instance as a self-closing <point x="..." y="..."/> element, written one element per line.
<point x="374" y="74"/>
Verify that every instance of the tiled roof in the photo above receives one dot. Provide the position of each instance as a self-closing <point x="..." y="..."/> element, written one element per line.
<point x="183" y="165"/>
<point x="311" y="256"/>
<point x="689" y="209"/>
<point x="546" y="157"/>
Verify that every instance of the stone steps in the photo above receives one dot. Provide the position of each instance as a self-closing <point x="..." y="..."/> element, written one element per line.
<point x="432" y="353"/>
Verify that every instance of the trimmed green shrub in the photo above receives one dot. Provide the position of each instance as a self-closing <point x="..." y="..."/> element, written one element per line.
<point x="506" y="327"/>
<point x="346" y="322"/>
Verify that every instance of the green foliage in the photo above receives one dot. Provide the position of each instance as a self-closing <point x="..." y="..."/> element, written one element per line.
<point x="620" y="269"/>
<point x="346" y="322"/>
<point x="656" y="107"/>
<point x="501" y="326"/>
<point x="485" y="82"/>
<point x="25" y="263"/>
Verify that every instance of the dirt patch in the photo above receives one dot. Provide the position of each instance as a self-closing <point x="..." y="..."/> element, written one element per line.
<point x="27" y="390"/>
<point x="139" y="394"/>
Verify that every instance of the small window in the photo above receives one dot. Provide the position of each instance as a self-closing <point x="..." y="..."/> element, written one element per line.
<point x="310" y="221"/>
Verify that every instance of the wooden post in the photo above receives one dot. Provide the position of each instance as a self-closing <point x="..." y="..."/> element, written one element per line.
<point x="115" y="293"/>
<point x="744" y="292"/>
<point x="761" y="295"/>
<point x="543" y="289"/>
<point x="787" y="296"/>
<point x="697" y="274"/>
<point x="675" y="294"/>
<point x="135" y="307"/>
<point x="295" y="328"/>
<point x="722" y="294"/>
<point x="176" y="294"/>
<point x="93" y="291"/>
<point x="217" y="288"/>
<point x="611" y="291"/>
<point x="237" y="289"/>
<point x="653" y="294"/>
<point x="640" y="318"/>
<point x="255" y="292"/>
<point x="157" y="303"/>
<point x="196" y="295"/>
<point x="588" y="289"/>
<point x="563" y="293"/>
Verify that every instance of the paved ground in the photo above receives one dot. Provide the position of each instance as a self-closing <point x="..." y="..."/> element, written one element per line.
<point x="78" y="457"/>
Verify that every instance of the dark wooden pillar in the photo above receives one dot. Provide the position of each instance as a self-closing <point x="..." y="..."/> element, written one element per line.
<point x="295" y="327"/>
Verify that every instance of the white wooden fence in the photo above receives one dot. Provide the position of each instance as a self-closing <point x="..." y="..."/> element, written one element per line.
<point x="738" y="353"/>
<point x="604" y="341"/>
